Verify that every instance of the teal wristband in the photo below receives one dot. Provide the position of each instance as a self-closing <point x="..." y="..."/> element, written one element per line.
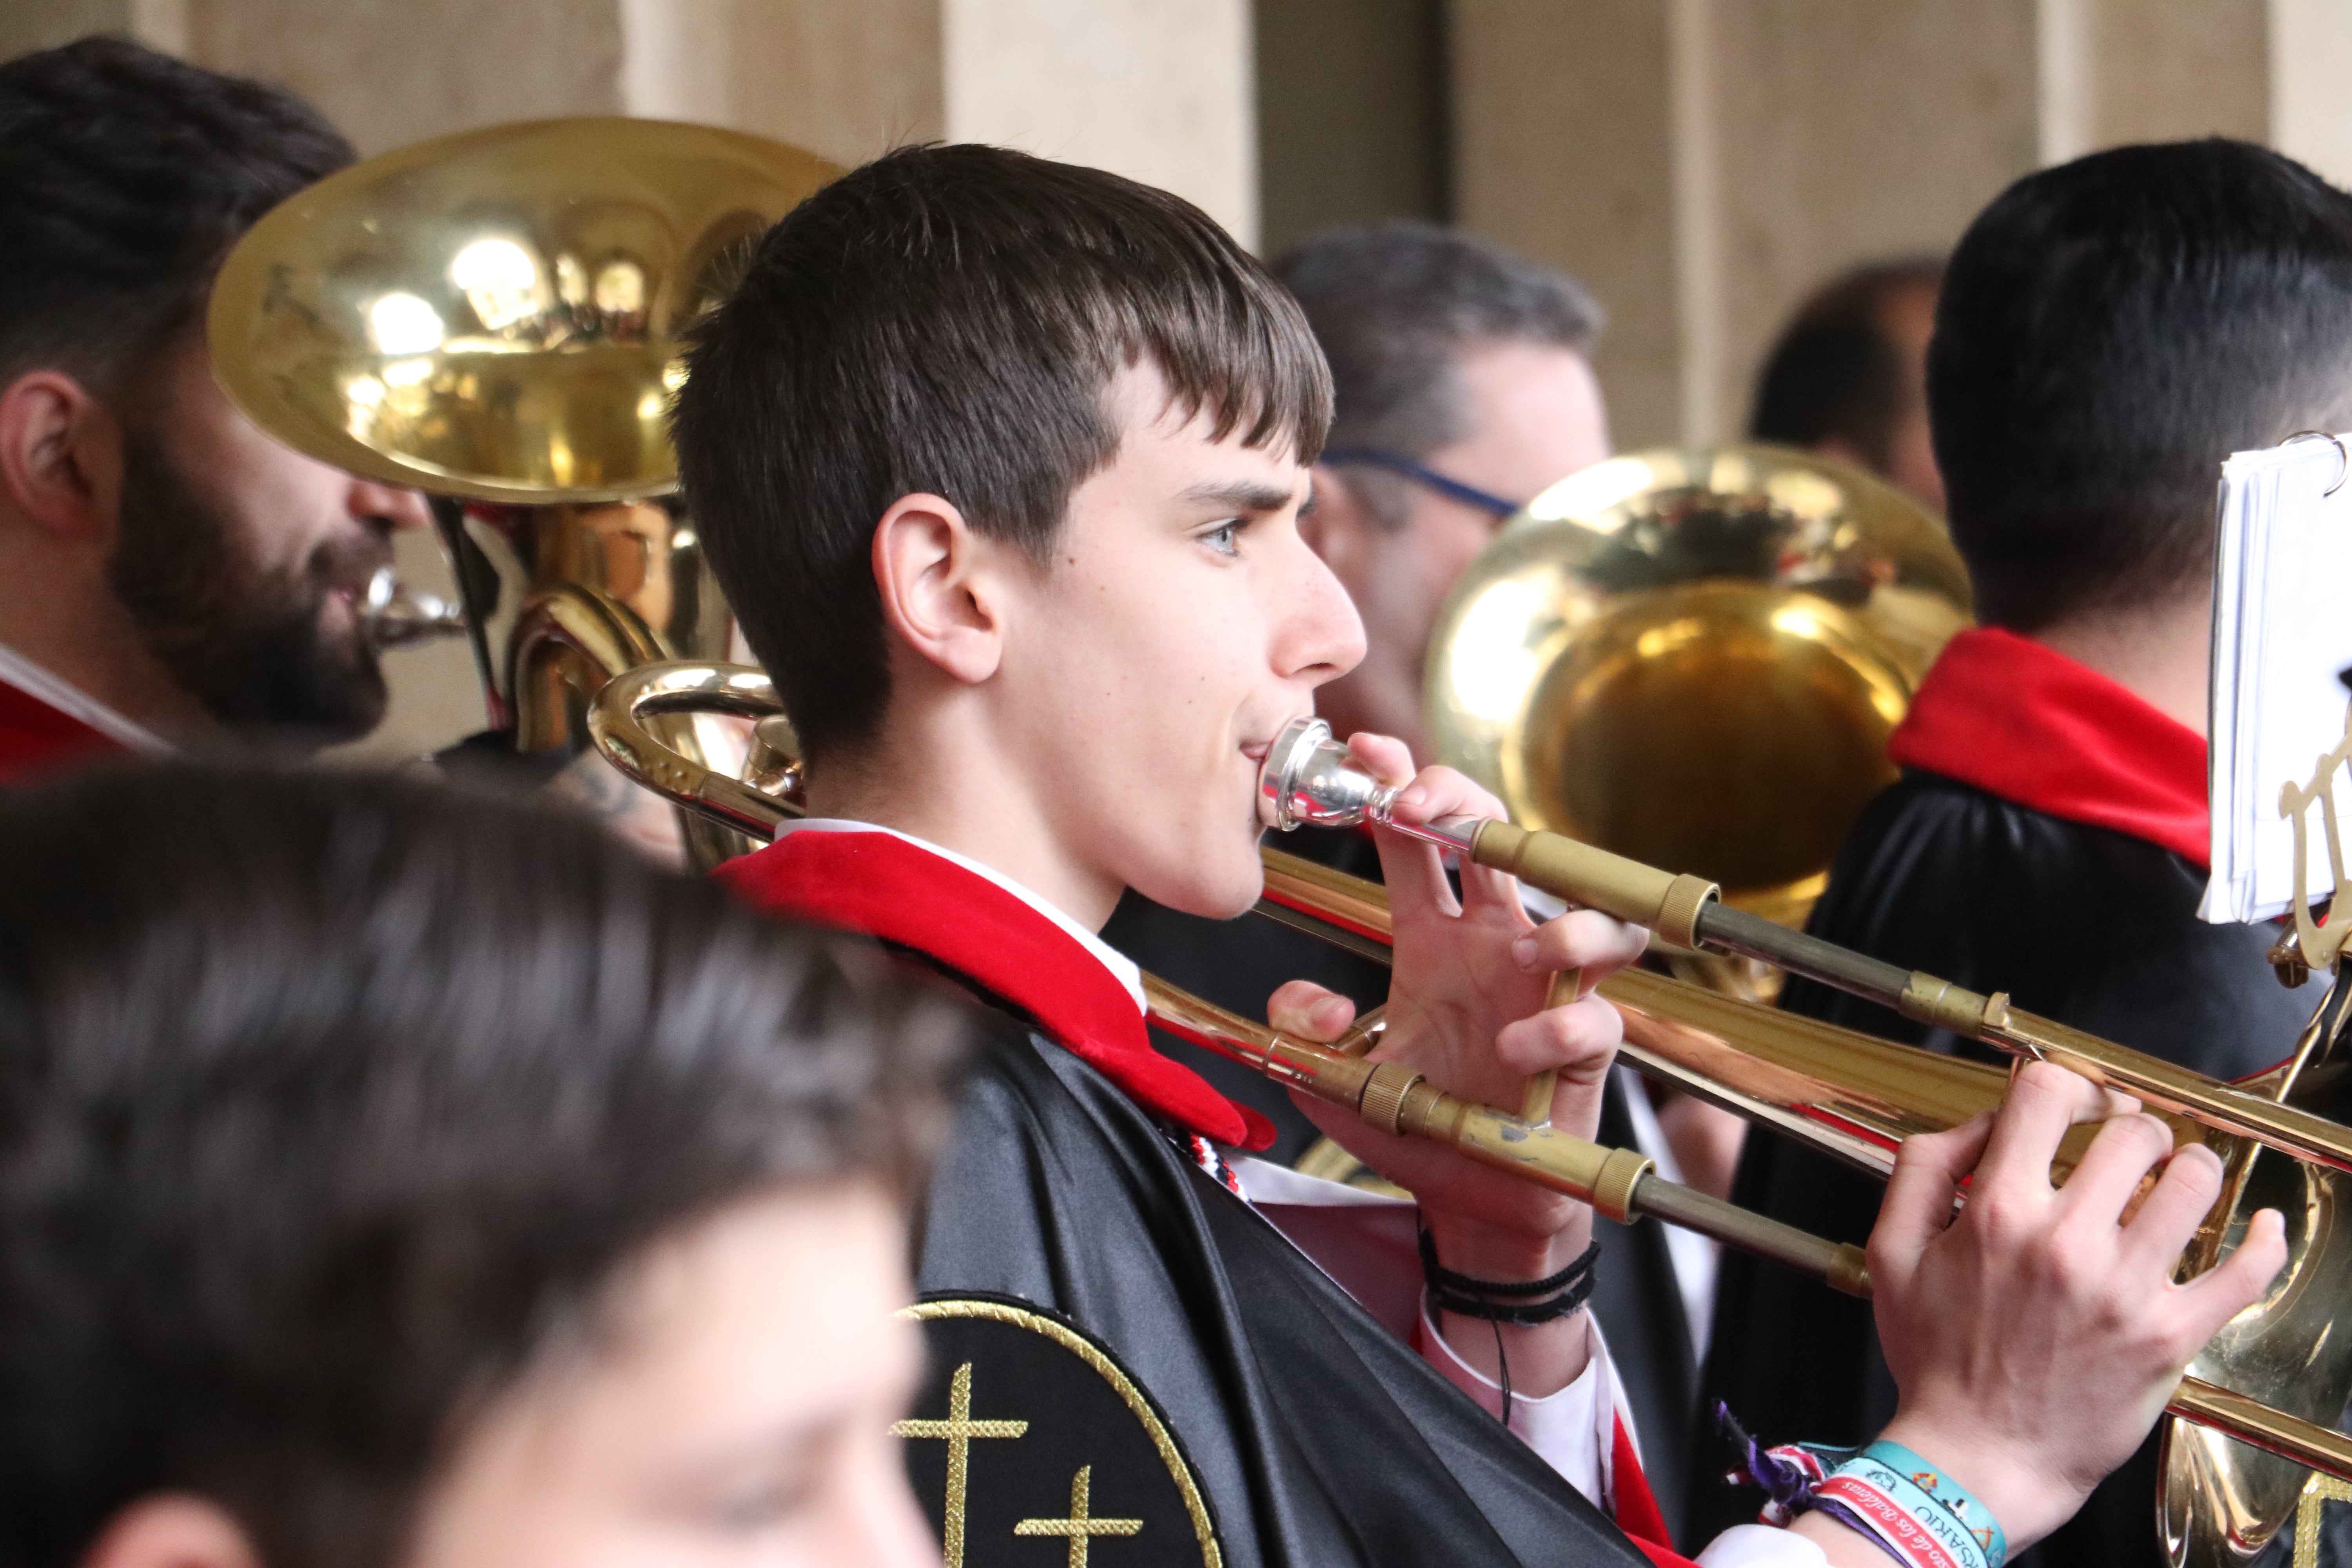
<point x="1955" y="1499"/>
<point x="1868" y="1495"/>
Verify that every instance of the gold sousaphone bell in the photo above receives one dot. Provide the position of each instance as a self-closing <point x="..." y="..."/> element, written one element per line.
<point x="497" y="318"/>
<point x="1694" y="657"/>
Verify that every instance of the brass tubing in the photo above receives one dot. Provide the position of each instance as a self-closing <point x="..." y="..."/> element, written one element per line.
<point x="1838" y="1264"/>
<point x="1727" y="930"/>
<point x="2250" y="1421"/>
<point x="2162" y="1086"/>
<point x="1646" y="896"/>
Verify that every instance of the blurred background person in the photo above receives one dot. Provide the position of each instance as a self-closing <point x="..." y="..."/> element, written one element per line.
<point x="169" y="575"/>
<point x="1847" y="378"/>
<point x="391" y="1179"/>
<point x="1462" y="387"/>
<point x="2109" y="332"/>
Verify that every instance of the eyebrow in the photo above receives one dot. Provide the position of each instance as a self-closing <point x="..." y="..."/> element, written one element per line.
<point x="1241" y="495"/>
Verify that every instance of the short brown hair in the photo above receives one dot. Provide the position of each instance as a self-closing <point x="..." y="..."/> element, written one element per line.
<point x="125" y="177"/>
<point x="1836" y="369"/>
<point x="331" y="1107"/>
<point x="946" y="320"/>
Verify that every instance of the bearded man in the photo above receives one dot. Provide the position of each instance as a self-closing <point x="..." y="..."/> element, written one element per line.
<point x="170" y="576"/>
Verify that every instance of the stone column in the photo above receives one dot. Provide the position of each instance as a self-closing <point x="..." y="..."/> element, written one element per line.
<point x="1704" y="163"/>
<point x="1565" y="148"/>
<point x="2310" y="62"/>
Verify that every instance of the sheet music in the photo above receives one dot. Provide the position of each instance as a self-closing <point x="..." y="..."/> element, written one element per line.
<point x="2282" y="637"/>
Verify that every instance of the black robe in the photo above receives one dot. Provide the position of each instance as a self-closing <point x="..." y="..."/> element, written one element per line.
<point x="1318" y="1436"/>
<point x="2085" y="925"/>
<point x="1064" y="1214"/>
<point x="1238" y="963"/>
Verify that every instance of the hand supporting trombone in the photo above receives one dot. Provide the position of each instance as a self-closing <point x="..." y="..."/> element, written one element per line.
<point x="1875" y="1093"/>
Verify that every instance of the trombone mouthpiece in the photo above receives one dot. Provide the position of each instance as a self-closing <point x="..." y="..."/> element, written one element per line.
<point x="1308" y="778"/>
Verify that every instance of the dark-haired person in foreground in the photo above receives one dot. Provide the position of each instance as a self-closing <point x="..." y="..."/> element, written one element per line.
<point x="170" y="576"/>
<point x="1847" y="378"/>
<point x="1000" y="464"/>
<point x="2109" y="332"/>
<point x="395" y="1180"/>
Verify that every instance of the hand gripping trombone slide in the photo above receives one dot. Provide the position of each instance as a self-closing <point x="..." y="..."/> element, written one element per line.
<point x="1875" y="1093"/>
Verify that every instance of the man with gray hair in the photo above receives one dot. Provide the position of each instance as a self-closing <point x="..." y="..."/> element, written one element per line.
<point x="1462" y="389"/>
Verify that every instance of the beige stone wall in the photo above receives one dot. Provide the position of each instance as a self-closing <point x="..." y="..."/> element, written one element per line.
<point x="1157" y="90"/>
<point x="1846" y="129"/>
<point x="395" y="74"/>
<point x="1704" y="164"/>
<point x="2310" y="64"/>
<point x="848" y="81"/>
<point x="1564" y="149"/>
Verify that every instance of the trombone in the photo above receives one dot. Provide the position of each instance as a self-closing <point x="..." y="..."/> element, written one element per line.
<point x="1844" y="1092"/>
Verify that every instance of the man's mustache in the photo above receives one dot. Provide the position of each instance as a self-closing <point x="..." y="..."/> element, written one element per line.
<point x="347" y="563"/>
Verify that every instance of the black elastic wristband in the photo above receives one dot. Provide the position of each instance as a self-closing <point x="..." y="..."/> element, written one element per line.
<point x="1520" y="1314"/>
<point x="1507" y="1300"/>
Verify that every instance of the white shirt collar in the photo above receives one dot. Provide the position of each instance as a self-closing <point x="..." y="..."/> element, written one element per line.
<point x="1123" y="968"/>
<point x="35" y="682"/>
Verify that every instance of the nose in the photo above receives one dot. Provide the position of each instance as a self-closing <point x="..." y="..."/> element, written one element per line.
<point x="1319" y="635"/>
<point x="396" y="507"/>
<point x="884" y="1527"/>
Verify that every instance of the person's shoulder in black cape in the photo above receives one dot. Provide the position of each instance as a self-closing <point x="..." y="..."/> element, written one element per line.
<point x="1318" y="1436"/>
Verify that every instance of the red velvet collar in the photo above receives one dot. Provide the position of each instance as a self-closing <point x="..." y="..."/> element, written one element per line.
<point x="2017" y="720"/>
<point x="37" y="739"/>
<point x="882" y="885"/>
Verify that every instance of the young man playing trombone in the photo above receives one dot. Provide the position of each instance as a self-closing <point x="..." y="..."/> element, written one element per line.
<point x="1001" y="463"/>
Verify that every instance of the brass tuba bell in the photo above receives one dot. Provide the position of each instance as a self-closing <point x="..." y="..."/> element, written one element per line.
<point x="497" y="318"/>
<point x="1693" y="658"/>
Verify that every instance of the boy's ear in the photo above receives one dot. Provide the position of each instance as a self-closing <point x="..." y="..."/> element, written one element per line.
<point x="60" y="457"/>
<point x="172" y="1530"/>
<point x="937" y="587"/>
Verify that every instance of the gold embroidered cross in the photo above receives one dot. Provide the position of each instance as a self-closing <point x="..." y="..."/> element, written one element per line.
<point x="959" y="1430"/>
<point x="1081" y="1527"/>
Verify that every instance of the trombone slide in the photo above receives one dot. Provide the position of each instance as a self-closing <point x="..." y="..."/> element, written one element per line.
<point x="1618" y="1182"/>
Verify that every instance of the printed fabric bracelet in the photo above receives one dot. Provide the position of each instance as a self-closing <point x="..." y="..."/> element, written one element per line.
<point x="1916" y="1514"/>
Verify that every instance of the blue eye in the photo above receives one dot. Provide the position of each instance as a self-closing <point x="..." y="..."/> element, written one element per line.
<point x="1226" y="539"/>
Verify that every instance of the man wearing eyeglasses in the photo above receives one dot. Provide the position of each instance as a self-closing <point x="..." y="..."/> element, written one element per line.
<point x="1463" y="389"/>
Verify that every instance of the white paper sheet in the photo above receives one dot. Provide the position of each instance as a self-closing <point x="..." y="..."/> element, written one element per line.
<point x="2282" y="637"/>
